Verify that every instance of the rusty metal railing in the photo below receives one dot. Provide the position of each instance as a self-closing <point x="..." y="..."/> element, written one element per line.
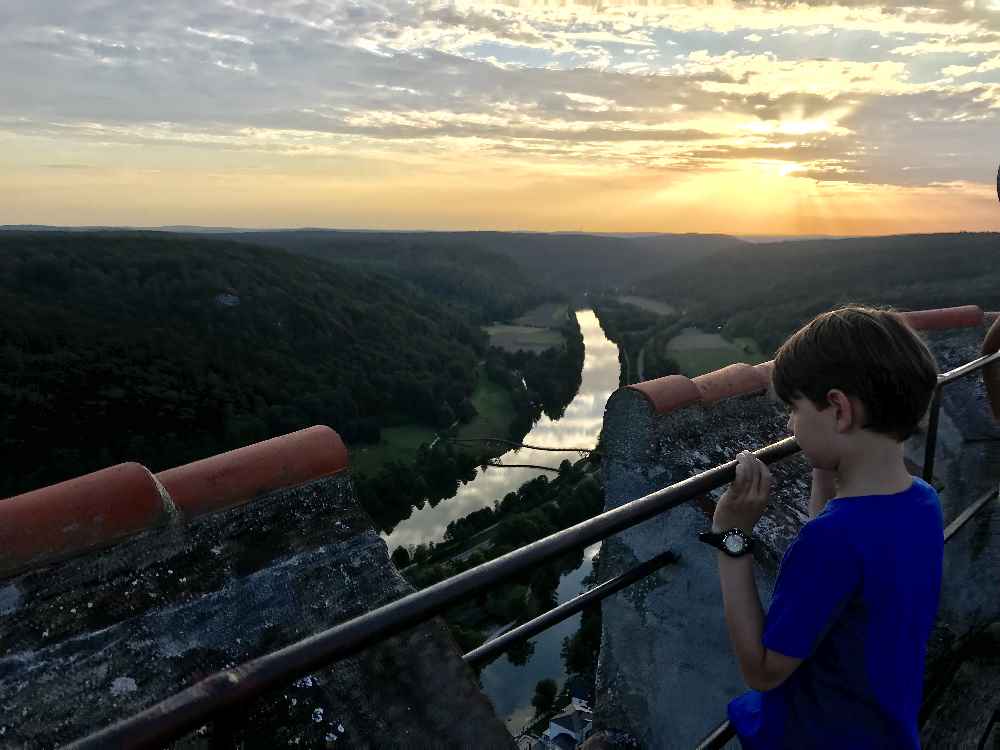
<point x="215" y="698"/>
<point x="219" y="694"/>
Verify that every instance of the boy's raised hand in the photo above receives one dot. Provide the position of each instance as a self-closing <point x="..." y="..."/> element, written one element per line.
<point x="745" y="501"/>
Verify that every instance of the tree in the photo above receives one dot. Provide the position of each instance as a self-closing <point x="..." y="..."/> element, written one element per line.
<point x="519" y="653"/>
<point x="545" y="695"/>
<point x="400" y="557"/>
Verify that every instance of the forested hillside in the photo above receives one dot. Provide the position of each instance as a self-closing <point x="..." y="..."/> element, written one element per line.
<point x="499" y="266"/>
<point x="484" y="286"/>
<point x="164" y="349"/>
<point x="766" y="291"/>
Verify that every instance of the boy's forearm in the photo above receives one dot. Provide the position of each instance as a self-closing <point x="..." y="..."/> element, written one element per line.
<point x="744" y="614"/>
<point x="824" y="487"/>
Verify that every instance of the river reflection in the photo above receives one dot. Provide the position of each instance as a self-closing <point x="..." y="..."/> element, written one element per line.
<point x="511" y="687"/>
<point x="578" y="428"/>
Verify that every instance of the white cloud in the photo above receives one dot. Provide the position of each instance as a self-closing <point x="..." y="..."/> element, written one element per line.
<point x="323" y="78"/>
<point x="219" y="36"/>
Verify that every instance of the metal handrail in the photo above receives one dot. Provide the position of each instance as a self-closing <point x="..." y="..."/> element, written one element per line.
<point x="188" y="709"/>
<point x="935" y="407"/>
<point x="567" y="609"/>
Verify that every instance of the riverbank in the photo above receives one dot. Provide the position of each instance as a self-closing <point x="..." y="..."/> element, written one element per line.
<point x="513" y="391"/>
<point x="655" y="340"/>
<point x="697" y="352"/>
<point x="509" y="680"/>
<point x="495" y="411"/>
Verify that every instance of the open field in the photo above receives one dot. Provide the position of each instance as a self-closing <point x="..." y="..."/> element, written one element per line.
<point x="649" y="305"/>
<point x="544" y="316"/>
<point x="401" y="443"/>
<point x="512" y="338"/>
<point x="495" y="412"/>
<point x="697" y="352"/>
<point x="397" y="443"/>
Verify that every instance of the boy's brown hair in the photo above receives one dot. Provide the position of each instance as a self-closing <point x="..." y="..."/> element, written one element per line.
<point x="867" y="352"/>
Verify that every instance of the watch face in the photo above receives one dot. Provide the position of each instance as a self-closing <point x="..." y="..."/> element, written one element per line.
<point x="734" y="543"/>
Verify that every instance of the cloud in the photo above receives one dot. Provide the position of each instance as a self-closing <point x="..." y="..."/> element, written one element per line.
<point x="965" y="70"/>
<point x="576" y="87"/>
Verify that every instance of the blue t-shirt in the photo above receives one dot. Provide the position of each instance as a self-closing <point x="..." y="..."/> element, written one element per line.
<point x="856" y="597"/>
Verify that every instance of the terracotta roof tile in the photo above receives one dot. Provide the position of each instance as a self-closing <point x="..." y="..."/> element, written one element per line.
<point x="669" y="393"/>
<point x="947" y="317"/>
<point x="675" y="391"/>
<point x="229" y="479"/>
<point x="734" y="380"/>
<point x="78" y="514"/>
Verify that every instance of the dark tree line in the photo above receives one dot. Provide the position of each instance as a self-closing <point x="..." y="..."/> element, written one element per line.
<point x="552" y="379"/>
<point x="483" y="285"/>
<point x="538" y="508"/>
<point x="767" y="291"/>
<point x="553" y="375"/>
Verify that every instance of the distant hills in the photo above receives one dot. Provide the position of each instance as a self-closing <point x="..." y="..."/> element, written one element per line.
<point x="764" y="238"/>
<point x="563" y="263"/>
<point x="167" y="346"/>
<point x="767" y="290"/>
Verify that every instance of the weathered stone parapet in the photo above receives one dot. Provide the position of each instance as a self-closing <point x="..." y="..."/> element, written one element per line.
<point x="100" y="509"/>
<point x="666" y="668"/>
<point x="105" y="635"/>
<point x="263" y="547"/>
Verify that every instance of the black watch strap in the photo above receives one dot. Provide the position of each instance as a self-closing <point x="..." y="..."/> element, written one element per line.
<point x="717" y="540"/>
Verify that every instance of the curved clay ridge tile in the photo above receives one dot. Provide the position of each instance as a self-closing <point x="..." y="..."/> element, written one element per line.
<point x="76" y="515"/>
<point x="991" y="373"/>
<point x="668" y="393"/>
<point x="235" y="477"/>
<point x="947" y="317"/>
<point x="676" y="391"/>
<point x="733" y="380"/>
<point x="766" y="369"/>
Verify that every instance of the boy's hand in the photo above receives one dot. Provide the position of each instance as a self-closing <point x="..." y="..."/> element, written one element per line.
<point x="745" y="501"/>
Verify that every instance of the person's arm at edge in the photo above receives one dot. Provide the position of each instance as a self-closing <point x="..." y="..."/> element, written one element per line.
<point x="762" y="668"/>
<point x="741" y="506"/>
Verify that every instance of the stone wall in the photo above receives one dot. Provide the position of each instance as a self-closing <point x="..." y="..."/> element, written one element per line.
<point x="93" y="638"/>
<point x="666" y="670"/>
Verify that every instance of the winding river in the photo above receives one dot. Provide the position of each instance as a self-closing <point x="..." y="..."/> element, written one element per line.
<point x="512" y="687"/>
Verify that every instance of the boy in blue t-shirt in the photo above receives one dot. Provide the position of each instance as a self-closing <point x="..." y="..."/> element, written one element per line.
<point x="838" y="660"/>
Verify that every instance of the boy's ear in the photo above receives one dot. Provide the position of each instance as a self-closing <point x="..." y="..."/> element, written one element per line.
<point x="847" y="411"/>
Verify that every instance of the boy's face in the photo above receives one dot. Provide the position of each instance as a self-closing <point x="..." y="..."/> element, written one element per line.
<point x="815" y="432"/>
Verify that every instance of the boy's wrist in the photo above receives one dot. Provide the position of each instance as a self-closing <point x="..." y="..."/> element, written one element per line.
<point x="719" y="528"/>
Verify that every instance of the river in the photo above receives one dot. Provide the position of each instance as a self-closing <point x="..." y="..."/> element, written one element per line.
<point x="511" y="687"/>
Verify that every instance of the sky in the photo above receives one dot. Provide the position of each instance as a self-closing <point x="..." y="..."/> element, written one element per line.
<point x="734" y="116"/>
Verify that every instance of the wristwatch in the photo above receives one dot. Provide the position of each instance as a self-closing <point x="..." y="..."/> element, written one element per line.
<point x="733" y="541"/>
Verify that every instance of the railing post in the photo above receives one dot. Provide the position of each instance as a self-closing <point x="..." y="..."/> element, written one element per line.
<point x="501" y="643"/>
<point x="718" y="737"/>
<point x="932" y="428"/>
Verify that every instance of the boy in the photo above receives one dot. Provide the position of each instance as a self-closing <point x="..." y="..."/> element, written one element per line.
<point x="838" y="661"/>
